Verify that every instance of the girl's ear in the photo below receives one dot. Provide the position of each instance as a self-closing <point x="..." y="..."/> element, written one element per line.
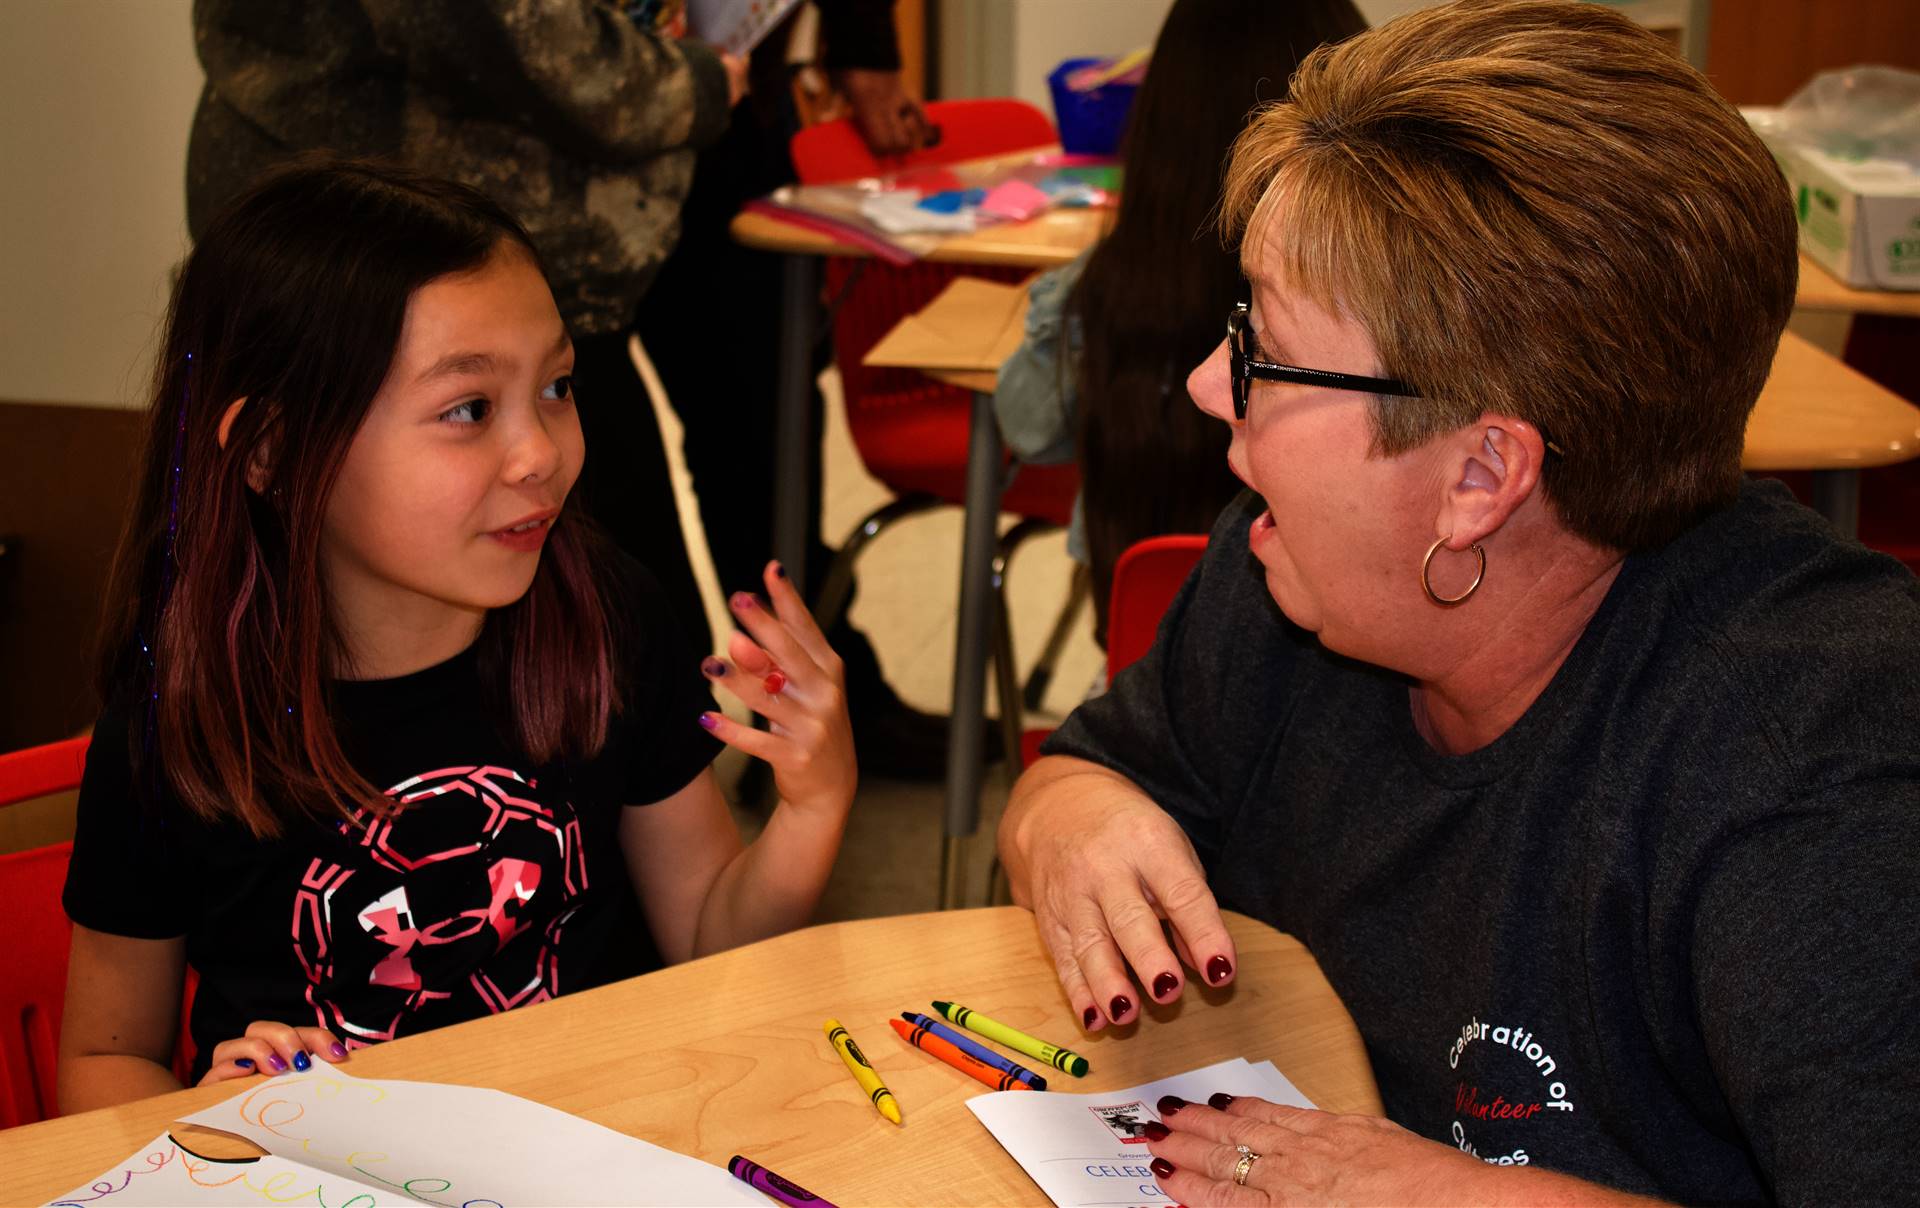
<point x="257" y="466"/>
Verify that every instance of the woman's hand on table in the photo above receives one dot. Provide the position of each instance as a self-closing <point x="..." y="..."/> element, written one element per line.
<point x="784" y="669"/>
<point x="1100" y="865"/>
<point x="1316" y="1157"/>
<point x="272" y="1048"/>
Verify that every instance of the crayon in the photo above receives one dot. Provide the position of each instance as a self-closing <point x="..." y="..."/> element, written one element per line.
<point x="883" y="1101"/>
<point x="933" y="1046"/>
<point x="973" y="1048"/>
<point x="766" y="1182"/>
<point x="1052" y="1054"/>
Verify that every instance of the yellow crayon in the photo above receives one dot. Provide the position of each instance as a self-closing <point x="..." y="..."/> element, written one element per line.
<point x="869" y="1081"/>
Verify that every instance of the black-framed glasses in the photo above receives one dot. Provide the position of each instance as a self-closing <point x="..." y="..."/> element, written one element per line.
<point x="1246" y="367"/>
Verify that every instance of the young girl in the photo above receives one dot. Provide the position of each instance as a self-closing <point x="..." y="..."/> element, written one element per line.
<point x="1110" y="337"/>
<point x="392" y="741"/>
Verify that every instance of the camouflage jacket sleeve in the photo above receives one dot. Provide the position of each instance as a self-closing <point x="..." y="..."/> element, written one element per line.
<point x="576" y="71"/>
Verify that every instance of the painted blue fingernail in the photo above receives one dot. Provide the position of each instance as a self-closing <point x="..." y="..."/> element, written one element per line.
<point x="245" y="1063"/>
<point x="709" y="721"/>
<point x="301" y="1061"/>
<point x="713" y="667"/>
<point x="780" y="569"/>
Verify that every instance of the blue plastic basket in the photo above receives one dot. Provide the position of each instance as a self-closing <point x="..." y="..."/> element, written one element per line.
<point x="1091" y="123"/>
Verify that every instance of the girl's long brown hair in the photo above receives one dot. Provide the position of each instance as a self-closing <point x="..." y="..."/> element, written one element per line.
<point x="220" y="638"/>
<point x="1153" y="299"/>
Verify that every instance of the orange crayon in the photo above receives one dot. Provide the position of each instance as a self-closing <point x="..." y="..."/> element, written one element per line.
<point x="934" y="1046"/>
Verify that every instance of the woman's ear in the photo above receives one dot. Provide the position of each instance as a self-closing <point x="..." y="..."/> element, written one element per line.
<point x="1491" y="468"/>
<point x="258" y="465"/>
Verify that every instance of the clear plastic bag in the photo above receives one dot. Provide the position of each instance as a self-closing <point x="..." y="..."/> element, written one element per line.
<point x="1857" y="113"/>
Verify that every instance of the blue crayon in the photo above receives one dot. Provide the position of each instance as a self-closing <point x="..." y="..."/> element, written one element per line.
<point x="974" y="1049"/>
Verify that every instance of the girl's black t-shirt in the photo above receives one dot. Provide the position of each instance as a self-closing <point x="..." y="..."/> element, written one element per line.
<point x="490" y="884"/>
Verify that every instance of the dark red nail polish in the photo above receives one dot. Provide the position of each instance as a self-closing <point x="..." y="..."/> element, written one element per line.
<point x="1087" y="1017"/>
<point x="1165" y="984"/>
<point x="1120" y="1005"/>
<point x="1161" y="1167"/>
<point x="1218" y="1100"/>
<point x="1156" y="1131"/>
<point x="775" y="681"/>
<point x="1219" y="969"/>
<point x="713" y="667"/>
<point x="709" y="722"/>
<point x="1170" y="1104"/>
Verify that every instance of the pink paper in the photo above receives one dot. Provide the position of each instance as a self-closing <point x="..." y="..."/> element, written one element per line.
<point x="1016" y="200"/>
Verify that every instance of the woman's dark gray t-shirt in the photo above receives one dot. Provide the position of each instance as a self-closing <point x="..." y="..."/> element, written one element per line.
<point x="1664" y="933"/>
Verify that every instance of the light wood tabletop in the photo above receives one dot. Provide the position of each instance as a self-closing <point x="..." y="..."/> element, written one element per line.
<point x="1816" y="413"/>
<point x="725" y="1055"/>
<point x="1821" y="290"/>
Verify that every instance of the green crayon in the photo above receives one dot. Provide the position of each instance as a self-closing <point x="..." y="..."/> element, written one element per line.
<point x="1055" y="1056"/>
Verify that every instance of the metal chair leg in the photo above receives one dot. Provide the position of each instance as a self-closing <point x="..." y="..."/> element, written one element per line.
<point x="1079" y="592"/>
<point x="838" y="584"/>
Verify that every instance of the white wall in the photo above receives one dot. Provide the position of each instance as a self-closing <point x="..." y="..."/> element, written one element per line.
<point x="98" y="97"/>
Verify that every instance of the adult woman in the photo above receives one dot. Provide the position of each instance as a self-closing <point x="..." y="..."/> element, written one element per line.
<point x="1553" y="750"/>
<point x="1120" y="326"/>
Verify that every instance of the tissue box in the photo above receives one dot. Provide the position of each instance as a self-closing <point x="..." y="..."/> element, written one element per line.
<point x="1859" y="219"/>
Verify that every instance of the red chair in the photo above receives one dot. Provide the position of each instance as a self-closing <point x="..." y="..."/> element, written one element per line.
<point x="912" y="433"/>
<point x="34" y="942"/>
<point x="1145" y="580"/>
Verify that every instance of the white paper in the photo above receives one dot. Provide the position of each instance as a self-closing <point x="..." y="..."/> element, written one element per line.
<point x="735" y="25"/>
<point x="1090" y="1151"/>
<point x="161" y="1174"/>
<point x="332" y="1136"/>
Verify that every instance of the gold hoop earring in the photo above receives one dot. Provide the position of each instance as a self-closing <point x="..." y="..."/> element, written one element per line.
<point x="1426" y="584"/>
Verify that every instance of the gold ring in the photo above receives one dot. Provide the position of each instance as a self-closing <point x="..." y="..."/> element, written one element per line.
<point x="1244" y="1165"/>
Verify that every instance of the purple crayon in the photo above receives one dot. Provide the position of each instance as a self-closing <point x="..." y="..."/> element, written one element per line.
<point x="765" y="1181"/>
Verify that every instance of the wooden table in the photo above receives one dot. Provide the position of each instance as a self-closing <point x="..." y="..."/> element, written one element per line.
<point x="1821" y="290"/>
<point x="725" y="1055"/>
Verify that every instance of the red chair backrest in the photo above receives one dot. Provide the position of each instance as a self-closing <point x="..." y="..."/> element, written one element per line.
<point x="1145" y="580"/>
<point x="969" y="129"/>
<point x="34" y="940"/>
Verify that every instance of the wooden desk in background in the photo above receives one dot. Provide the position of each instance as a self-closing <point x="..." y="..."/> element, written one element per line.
<point x="725" y="1055"/>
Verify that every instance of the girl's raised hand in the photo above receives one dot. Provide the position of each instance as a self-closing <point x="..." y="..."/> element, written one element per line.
<point x="273" y="1048"/>
<point x="783" y="669"/>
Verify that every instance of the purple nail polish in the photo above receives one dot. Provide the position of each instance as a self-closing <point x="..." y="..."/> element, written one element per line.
<point x="1170" y="1104"/>
<point x="1087" y="1017"/>
<point x="338" y="1049"/>
<point x="1219" y="969"/>
<point x="1165" y="984"/>
<point x="301" y="1061"/>
<point x="275" y="1063"/>
<point x="709" y="721"/>
<point x="1156" y="1131"/>
<point x="713" y="667"/>
<point x="1161" y="1167"/>
<point x="245" y="1063"/>
<point x="1120" y="1005"/>
<point x="1218" y="1100"/>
